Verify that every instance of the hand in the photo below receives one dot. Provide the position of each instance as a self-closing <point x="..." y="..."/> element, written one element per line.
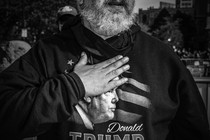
<point x="98" y="78"/>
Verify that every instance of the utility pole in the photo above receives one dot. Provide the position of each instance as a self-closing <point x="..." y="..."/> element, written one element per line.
<point x="208" y="22"/>
<point x="24" y="31"/>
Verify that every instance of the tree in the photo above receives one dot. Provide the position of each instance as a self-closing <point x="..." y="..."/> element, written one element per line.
<point x="167" y="29"/>
<point x="188" y="29"/>
<point x="170" y="34"/>
<point x="38" y="17"/>
<point x="159" y="21"/>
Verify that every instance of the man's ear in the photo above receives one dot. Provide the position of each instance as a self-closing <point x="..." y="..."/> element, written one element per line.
<point x="87" y="99"/>
<point x="80" y="4"/>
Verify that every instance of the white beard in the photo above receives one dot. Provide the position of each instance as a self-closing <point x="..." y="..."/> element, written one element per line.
<point x="107" y="21"/>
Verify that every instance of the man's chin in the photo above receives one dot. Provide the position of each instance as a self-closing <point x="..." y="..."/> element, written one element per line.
<point x="112" y="30"/>
<point x="104" y="118"/>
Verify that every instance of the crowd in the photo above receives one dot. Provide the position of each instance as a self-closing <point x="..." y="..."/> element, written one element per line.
<point x="194" y="54"/>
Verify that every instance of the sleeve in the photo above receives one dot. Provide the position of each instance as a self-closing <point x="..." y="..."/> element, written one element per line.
<point x="29" y="102"/>
<point x="190" y="121"/>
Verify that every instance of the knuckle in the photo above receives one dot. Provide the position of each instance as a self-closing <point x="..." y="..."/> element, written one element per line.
<point x="109" y="61"/>
<point x="117" y="58"/>
<point x="96" y="66"/>
<point x="115" y="84"/>
<point x="115" y="72"/>
<point x="113" y="60"/>
<point x="106" y="88"/>
<point x="115" y="65"/>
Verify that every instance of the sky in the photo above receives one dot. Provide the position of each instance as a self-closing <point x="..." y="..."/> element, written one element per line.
<point x="144" y="4"/>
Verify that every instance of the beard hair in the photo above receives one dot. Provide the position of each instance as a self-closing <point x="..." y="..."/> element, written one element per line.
<point x="106" y="21"/>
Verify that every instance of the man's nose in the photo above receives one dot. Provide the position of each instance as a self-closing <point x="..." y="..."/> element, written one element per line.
<point x="115" y="99"/>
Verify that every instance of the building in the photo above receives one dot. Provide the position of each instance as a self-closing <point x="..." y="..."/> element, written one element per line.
<point x="208" y="22"/>
<point x="184" y="3"/>
<point x="166" y="5"/>
<point x="200" y="15"/>
<point x="199" y="10"/>
<point x="148" y="16"/>
<point x="186" y="6"/>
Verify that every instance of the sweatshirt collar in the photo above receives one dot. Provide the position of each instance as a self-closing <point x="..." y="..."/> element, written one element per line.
<point x="95" y="46"/>
<point x="119" y="44"/>
<point x="88" y="124"/>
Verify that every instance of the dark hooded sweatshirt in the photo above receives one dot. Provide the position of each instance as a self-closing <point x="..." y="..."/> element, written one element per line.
<point x="160" y="101"/>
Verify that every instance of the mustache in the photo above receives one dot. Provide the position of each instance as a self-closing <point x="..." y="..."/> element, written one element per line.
<point x="117" y="2"/>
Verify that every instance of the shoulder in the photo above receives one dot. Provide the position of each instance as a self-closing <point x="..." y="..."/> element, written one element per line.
<point x="156" y="53"/>
<point x="150" y="45"/>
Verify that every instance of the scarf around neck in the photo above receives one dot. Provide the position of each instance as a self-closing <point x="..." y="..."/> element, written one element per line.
<point x="99" y="49"/>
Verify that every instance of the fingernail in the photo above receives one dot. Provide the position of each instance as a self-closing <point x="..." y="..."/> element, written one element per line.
<point x="127" y="67"/>
<point x="125" y="59"/>
<point x="120" y="56"/>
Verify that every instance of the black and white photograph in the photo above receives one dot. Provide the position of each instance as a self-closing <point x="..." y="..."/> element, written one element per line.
<point x="105" y="70"/>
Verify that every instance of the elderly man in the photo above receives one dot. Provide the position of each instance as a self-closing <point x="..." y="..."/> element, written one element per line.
<point x="158" y="99"/>
<point x="11" y="51"/>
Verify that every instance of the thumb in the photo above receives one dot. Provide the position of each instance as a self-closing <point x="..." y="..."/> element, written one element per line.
<point x="83" y="60"/>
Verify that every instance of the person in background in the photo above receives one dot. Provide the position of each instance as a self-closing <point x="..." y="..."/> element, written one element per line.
<point x="3" y="63"/>
<point x="64" y="14"/>
<point x="12" y="50"/>
<point x="158" y="98"/>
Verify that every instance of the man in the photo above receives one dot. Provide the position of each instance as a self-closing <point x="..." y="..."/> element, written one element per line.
<point x="159" y="100"/>
<point x="12" y="50"/>
<point x="97" y="109"/>
<point x="64" y="14"/>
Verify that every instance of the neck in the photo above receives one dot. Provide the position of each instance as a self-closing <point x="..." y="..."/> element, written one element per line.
<point x="95" y="30"/>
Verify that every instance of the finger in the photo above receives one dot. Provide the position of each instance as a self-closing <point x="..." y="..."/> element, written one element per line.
<point x="117" y="72"/>
<point x="116" y="65"/>
<point x="116" y="83"/>
<point x="83" y="60"/>
<point x="110" y="61"/>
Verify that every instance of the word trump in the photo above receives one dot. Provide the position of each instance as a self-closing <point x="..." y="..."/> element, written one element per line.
<point x="88" y="136"/>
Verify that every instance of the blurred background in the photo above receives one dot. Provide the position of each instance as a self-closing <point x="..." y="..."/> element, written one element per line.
<point x="28" y="20"/>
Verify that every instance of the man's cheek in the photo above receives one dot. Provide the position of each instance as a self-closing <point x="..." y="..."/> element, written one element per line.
<point x="95" y="104"/>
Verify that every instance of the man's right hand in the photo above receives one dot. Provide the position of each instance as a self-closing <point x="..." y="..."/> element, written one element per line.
<point x="98" y="78"/>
